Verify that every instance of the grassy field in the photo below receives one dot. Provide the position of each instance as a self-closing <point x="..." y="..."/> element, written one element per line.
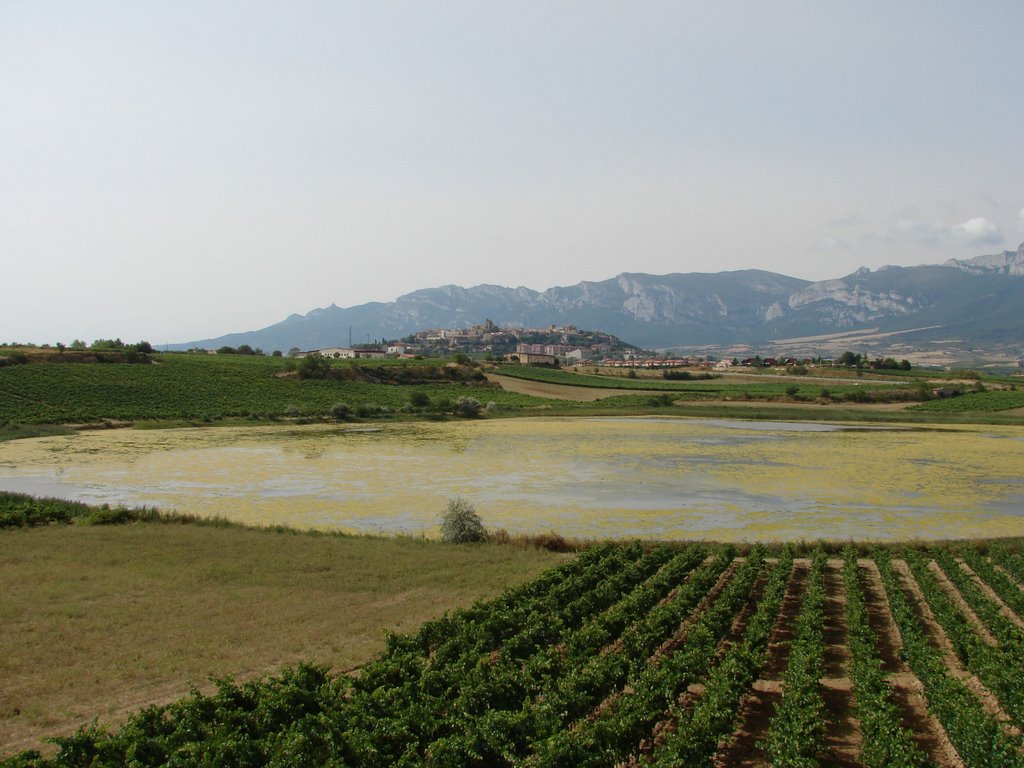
<point x="99" y="620"/>
<point x="976" y="402"/>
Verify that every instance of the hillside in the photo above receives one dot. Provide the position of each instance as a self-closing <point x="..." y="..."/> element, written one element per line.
<point x="971" y="302"/>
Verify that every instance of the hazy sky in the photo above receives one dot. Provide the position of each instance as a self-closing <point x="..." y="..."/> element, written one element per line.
<point x="179" y="170"/>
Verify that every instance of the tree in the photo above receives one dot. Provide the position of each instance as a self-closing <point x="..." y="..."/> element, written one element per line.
<point x="313" y="366"/>
<point x="460" y="524"/>
<point x="849" y="359"/>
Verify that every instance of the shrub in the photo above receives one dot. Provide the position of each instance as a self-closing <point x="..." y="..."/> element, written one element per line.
<point x="460" y="523"/>
<point x="792" y="389"/>
<point x="341" y="411"/>
<point x="467" y="407"/>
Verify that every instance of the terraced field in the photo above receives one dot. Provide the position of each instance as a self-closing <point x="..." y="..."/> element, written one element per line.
<point x="629" y="656"/>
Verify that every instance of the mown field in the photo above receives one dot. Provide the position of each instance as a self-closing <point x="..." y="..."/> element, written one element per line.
<point x="663" y="656"/>
<point x="97" y="620"/>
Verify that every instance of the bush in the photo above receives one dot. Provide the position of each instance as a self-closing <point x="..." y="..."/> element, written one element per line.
<point x="467" y="407"/>
<point x="460" y="524"/>
<point x="341" y="411"/>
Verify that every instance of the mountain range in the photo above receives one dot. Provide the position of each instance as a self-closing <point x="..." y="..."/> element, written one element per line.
<point x="969" y="302"/>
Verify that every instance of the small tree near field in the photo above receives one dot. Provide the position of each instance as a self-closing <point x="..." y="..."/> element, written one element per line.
<point x="460" y="524"/>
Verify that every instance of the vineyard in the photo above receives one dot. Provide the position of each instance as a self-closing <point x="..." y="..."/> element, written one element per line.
<point x="202" y="387"/>
<point x="997" y="400"/>
<point x="632" y="656"/>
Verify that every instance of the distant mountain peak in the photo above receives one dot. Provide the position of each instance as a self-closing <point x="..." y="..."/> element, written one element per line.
<point x="978" y="298"/>
<point x="1005" y="263"/>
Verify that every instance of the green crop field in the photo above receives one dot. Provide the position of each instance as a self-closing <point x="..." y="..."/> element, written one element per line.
<point x="201" y="387"/>
<point x="626" y="655"/>
<point x="984" y="402"/>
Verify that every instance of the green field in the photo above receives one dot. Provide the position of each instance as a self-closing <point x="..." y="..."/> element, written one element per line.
<point x="202" y="388"/>
<point x="663" y="656"/>
<point x="180" y="388"/>
<point x="975" y="402"/>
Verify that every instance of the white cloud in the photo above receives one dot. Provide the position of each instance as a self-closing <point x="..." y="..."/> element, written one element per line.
<point x="977" y="231"/>
<point x="973" y="232"/>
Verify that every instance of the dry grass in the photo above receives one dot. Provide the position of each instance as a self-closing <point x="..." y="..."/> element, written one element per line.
<point x="98" y="621"/>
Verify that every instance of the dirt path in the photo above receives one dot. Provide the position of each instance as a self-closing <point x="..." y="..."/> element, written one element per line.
<point x="928" y="733"/>
<point x="590" y="394"/>
<point x="958" y="599"/>
<point x="759" y="705"/>
<point x="1008" y="575"/>
<point x="677" y="640"/>
<point x="937" y="636"/>
<point x="842" y="729"/>
<point x="559" y="391"/>
<point x="1004" y="609"/>
<point x="692" y="695"/>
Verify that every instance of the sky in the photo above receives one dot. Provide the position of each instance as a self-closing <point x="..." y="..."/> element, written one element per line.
<point x="173" y="171"/>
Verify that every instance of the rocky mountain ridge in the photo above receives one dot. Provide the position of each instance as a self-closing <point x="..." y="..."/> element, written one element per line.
<point x="975" y="301"/>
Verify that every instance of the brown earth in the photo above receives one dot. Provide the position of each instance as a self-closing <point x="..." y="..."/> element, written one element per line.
<point x="758" y="707"/>
<point x="938" y="638"/>
<point x="557" y="391"/>
<point x="928" y="733"/>
<point x="1004" y="609"/>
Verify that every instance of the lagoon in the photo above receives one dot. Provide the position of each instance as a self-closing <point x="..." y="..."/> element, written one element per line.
<point x="677" y="478"/>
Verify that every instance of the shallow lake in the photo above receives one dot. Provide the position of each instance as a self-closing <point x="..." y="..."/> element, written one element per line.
<point x="586" y="477"/>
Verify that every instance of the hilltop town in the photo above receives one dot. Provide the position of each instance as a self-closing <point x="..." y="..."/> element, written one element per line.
<point x="565" y="344"/>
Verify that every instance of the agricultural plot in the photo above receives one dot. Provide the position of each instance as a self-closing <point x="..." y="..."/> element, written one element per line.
<point x="663" y="657"/>
<point x="201" y="387"/>
<point x="986" y="402"/>
<point x="709" y="389"/>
